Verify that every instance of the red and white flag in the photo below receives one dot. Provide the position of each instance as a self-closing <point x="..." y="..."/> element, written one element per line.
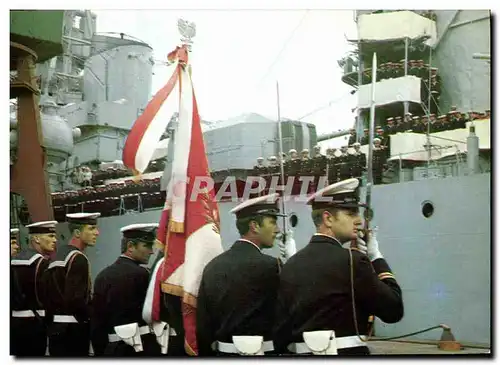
<point x="189" y="224"/>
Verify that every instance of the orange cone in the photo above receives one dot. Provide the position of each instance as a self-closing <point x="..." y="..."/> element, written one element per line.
<point x="447" y="341"/>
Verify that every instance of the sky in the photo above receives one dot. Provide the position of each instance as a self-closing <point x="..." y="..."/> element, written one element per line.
<point x="239" y="55"/>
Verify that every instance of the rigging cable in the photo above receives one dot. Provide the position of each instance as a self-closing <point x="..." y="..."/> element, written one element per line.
<point x="285" y="44"/>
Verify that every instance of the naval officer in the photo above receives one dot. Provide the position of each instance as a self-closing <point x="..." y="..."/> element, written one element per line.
<point x="28" y="324"/>
<point x="117" y="326"/>
<point x="69" y="286"/>
<point x="238" y="288"/>
<point x="316" y="313"/>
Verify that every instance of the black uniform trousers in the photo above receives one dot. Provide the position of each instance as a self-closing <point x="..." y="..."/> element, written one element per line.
<point x="149" y="346"/>
<point x="28" y="337"/>
<point x="69" y="339"/>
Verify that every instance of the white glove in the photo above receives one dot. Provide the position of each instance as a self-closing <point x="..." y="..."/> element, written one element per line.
<point x="360" y="245"/>
<point x="373" y="250"/>
<point x="287" y="249"/>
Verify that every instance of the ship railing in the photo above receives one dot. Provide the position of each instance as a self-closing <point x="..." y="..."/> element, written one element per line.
<point x="400" y="156"/>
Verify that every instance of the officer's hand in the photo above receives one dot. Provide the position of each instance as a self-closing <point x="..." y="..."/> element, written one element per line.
<point x="289" y="248"/>
<point x="373" y="250"/>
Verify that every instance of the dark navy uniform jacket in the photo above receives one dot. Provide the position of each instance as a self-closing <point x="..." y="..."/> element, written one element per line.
<point x="69" y="284"/>
<point x="119" y="293"/>
<point x="237" y="296"/>
<point x="315" y="293"/>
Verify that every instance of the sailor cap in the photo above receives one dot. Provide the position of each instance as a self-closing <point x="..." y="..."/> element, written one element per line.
<point x="14" y="232"/>
<point x="140" y="231"/>
<point x="292" y="151"/>
<point x="262" y="205"/>
<point x="305" y="150"/>
<point x="376" y="139"/>
<point x="42" y="227"/>
<point x="356" y="144"/>
<point x="343" y="194"/>
<point x="83" y="218"/>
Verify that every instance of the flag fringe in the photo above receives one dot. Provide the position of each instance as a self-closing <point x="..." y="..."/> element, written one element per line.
<point x="176" y="227"/>
<point x="178" y="291"/>
<point x="188" y="349"/>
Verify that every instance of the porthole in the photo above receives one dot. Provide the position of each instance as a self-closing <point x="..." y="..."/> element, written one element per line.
<point x="427" y="209"/>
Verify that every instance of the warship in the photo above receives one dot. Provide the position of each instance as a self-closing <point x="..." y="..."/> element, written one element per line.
<point x="431" y="165"/>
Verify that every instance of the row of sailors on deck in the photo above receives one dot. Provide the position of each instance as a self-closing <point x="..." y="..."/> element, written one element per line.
<point x="331" y="153"/>
<point x="248" y="303"/>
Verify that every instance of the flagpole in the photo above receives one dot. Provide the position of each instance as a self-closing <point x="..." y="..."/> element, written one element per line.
<point x="282" y="168"/>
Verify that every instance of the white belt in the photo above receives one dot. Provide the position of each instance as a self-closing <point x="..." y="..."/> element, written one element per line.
<point x="342" y="343"/>
<point x="230" y="348"/>
<point x="61" y="318"/>
<point x="27" y="313"/>
<point x="113" y="337"/>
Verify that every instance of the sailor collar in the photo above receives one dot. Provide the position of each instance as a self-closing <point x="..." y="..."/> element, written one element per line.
<point x="253" y="244"/>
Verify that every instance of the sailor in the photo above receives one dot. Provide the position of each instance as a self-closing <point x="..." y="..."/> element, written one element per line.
<point x="319" y="165"/>
<point x="14" y="242"/>
<point x="238" y="288"/>
<point x="352" y="135"/>
<point x="117" y="327"/>
<point x="424" y="120"/>
<point x="260" y="163"/>
<point x="408" y="122"/>
<point x="306" y="163"/>
<point x="333" y="165"/>
<point x="273" y="162"/>
<point x="295" y="164"/>
<point x="259" y="169"/>
<point x="293" y="154"/>
<point x="443" y="123"/>
<point x="433" y="122"/>
<point x="401" y="67"/>
<point x="317" y="151"/>
<point x="314" y="307"/>
<point x="344" y="163"/>
<point x="417" y="125"/>
<point x="391" y="128"/>
<point x="69" y="286"/>
<point x="365" y="137"/>
<point x="359" y="164"/>
<point x="28" y="335"/>
<point x="413" y="67"/>
<point x="453" y="117"/>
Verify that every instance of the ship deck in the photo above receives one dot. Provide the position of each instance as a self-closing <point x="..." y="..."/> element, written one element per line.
<point x="416" y="348"/>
